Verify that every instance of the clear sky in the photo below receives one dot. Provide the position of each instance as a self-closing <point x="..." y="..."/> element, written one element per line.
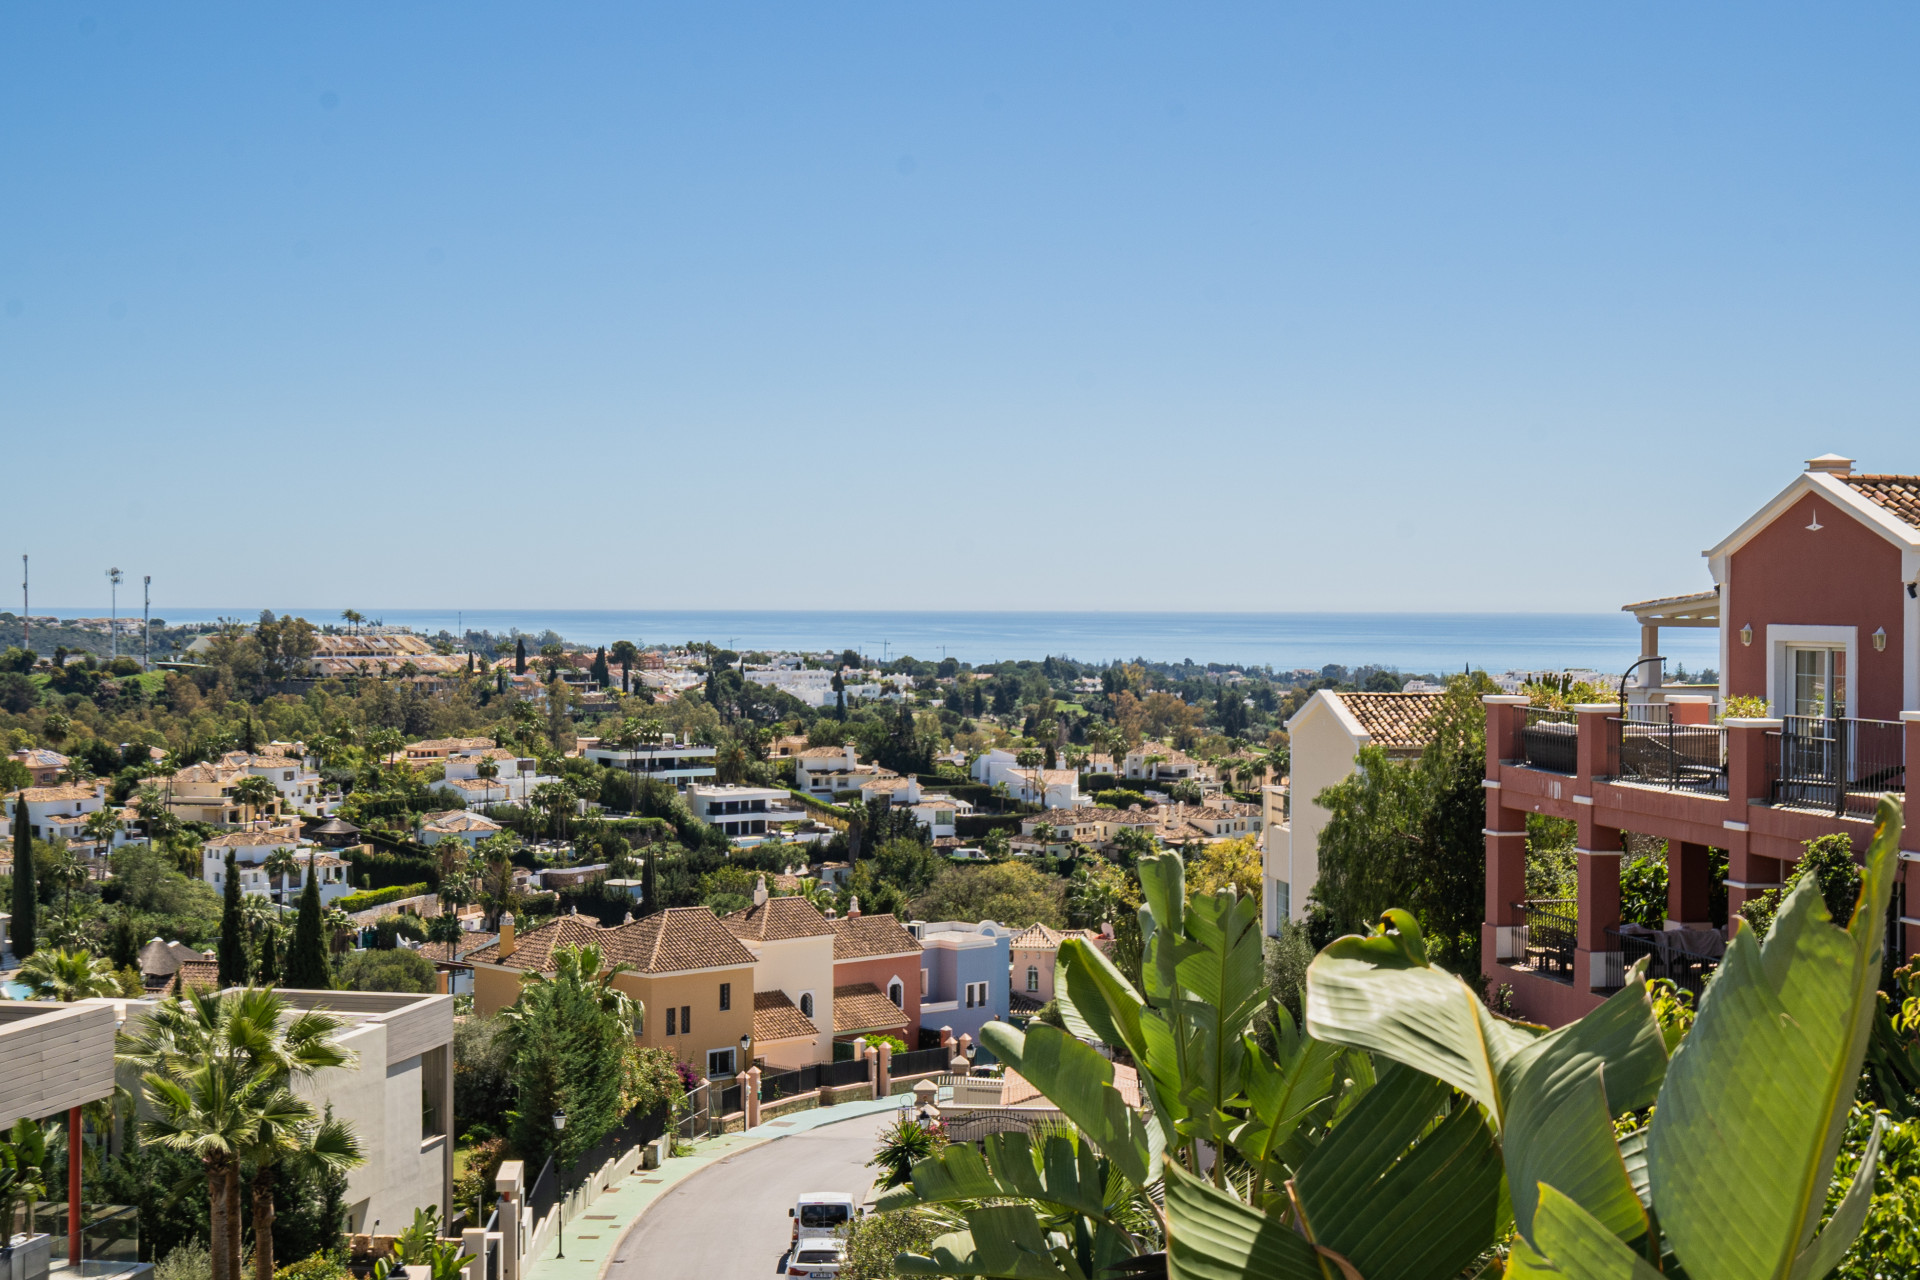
<point x="1294" y="307"/>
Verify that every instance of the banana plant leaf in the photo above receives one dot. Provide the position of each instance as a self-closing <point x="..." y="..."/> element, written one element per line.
<point x="1064" y="1175"/>
<point x="1406" y="1186"/>
<point x="1214" y="1236"/>
<point x="1288" y="1095"/>
<point x="1004" y="1241"/>
<point x="1742" y="1145"/>
<point x="1550" y="1097"/>
<point x="1080" y="1082"/>
<point x="1576" y="1245"/>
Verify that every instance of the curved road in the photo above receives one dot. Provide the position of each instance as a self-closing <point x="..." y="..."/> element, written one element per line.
<point x="730" y="1220"/>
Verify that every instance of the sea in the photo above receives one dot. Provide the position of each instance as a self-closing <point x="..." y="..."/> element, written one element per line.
<point x="1414" y="643"/>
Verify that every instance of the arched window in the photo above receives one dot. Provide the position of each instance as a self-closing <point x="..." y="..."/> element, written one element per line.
<point x="1033" y="977"/>
<point x="806" y="1003"/>
<point x="896" y="993"/>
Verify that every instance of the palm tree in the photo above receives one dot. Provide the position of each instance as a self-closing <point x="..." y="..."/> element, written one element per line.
<point x="340" y="930"/>
<point x="386" y="742"/>
<point x="101" y="826"/>
<point x="352" y="617"/>
<point x="254" y="792"/>
<point x="280" y="864"/>
<point x="308" y="1145"/>
<point x="553" y="799"/>
<point x="67" y="976"/>
<point x="588" y="967"/>
<point x="218" y="1069"/>
<point x="155" y="818"/>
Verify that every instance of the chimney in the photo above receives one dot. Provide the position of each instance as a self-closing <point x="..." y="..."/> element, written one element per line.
<point x="1831" y="463"/>
<point x="853" y="908"/>
<point x="506" y="934"/>
<point x="760" y="890"/>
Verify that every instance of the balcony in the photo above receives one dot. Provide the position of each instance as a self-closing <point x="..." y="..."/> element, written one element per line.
<point x="1671" y="756"/>
<point x="1549" y="937"/>
<point x="1551" y="740"/>
<point x="1685" y="957"/>
<point x="1836" y="766"/>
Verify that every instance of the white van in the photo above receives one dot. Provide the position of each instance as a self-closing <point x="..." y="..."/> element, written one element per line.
<point x="821" y="1213"/>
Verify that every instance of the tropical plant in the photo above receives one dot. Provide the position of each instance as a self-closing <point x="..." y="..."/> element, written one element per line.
<point x="300" y="1145"/>
<point x="280" y="864"/>
<point x="218" y="1070"/>
<point x="254" y="793"/>
<point x="67" y="976"/>
<point x="572" y="1033"/>
<point x="101" y="826"/>
<point x="903" y="1144"/>
<point x="24" y="1171"/>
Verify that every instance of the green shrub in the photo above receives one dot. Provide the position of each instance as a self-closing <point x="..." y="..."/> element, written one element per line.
<point x="1119" y="798"/>
<point x="876" y="1241"/>
<point x="396" y="970"/>
<point x="368" y="899"/>
<point x="319" y="1266"/>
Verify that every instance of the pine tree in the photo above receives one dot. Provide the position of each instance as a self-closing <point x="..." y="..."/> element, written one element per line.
<point x="233" y="928"/>
<point x="26" y="894"/>
<point x="307" y="968"/>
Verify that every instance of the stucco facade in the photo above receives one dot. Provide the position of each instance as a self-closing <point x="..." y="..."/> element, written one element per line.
<point x="967" y="966"/>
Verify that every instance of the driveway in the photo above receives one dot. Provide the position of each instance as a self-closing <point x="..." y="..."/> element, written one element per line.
<point x="731" y="1221"/>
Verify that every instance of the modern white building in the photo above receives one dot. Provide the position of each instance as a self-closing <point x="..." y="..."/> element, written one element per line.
<point x="747" y="814"/>
<point x="683" y="764"/>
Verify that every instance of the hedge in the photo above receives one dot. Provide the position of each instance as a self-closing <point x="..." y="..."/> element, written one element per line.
<point x="378" y="897"/>
<point x="974" y="826"/>
<point x="378" y="869"/>
<point x="974" y="793"/>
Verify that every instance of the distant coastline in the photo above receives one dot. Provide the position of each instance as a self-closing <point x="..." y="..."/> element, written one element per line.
<point x="1410" y="642"/>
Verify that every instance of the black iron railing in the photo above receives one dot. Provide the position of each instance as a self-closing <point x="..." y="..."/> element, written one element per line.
<point x="1686" y="957"/>
<point x="918" y="1061"/>
<point x="1551" y="740"/>
<point x="1838" y="766"/>
<point x="1679" y="757"/>
<point x="1553" y="931"/>
<point x="732" y="1098"/>
<point x="835" y="1075"/>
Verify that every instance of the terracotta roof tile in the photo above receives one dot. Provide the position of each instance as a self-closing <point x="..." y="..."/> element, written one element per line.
<point x="672" y="941"/>
<point x="775" y="1017"/>
<point x="1900" y="495"/>
<point x="1394" y="720"/>
<point x="868" y="936"/>
<point x="860" y="1006"/>
<point x="778" y="919"/>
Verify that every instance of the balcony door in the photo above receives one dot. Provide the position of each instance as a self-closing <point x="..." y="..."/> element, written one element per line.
<point x="1817" y="678"/>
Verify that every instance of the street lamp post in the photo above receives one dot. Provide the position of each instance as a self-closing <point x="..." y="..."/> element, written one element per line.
<point x="560" y="1223"/>
<point x="114" y="579"/>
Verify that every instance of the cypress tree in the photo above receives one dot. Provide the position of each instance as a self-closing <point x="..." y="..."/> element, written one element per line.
<point x="602" y="674"/>
<point x="267" y="966"/>
<point x="520" y="657"/>
<point x="26" y="894"/>
<point x="649" y="899"/>
<point x="233" y="942"/>
<point x="307" y="968"/>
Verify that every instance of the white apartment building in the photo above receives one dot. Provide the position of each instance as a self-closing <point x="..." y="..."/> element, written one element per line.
<point x="681" y="763"/>
<point x="746" y="814"/>
<point x="251" y="849"/>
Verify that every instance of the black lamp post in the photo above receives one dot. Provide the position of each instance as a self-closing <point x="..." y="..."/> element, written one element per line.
<point x="560" y="1223"/>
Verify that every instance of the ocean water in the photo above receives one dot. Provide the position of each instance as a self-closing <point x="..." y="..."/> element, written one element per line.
<point x="1411" y="642"/>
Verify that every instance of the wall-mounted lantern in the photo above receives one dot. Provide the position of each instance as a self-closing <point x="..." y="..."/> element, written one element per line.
<point x="1746" y="634"/>
<point x="1880" y="640"/>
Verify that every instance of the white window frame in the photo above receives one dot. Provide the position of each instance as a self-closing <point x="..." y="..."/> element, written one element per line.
<point x="897" y="991"/>
<point x="806" y="1003"/>
<point x="1781" y="637"/>
<point x="1033" y="977"/>
<point x="716" y="1054"/>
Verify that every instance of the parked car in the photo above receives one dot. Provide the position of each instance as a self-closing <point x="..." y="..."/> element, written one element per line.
<point x="817" y="1257"/>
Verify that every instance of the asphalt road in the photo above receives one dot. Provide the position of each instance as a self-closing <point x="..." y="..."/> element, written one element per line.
<point x="731" y="1221"/>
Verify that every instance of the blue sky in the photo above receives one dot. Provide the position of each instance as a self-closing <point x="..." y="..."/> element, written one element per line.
<point x="1272" y="307"/>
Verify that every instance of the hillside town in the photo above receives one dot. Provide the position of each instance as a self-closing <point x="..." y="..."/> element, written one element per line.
<point x="678" y="892"/>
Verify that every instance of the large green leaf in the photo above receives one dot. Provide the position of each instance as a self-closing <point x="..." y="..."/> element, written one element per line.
<point x="1005" y="1241"/>
<point x="1284" y="1094"/>
<point x="1095" y="999"/>
<point x="1573" y="1245"/>
<point x="1407" y="1186"/>
<point x="1080" y="1082"/>
<point x="1742" y="1145"/>
<point x="1550" y="1097"/>
<point x="1213" y="1236"/>
<point x="1062" y="1175"/>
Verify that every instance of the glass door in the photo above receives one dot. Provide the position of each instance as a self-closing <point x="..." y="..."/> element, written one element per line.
<point x="1819" y="688"/>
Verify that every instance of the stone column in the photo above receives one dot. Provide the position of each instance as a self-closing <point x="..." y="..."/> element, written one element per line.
<point x="1506" y="717"/>
<point x="1750" y="752"/>
<point x="1596" y="959"/>
<point x="1506" y="835"/>
<point x="1689" y="883"/>
<point x="873" y="1073"/>
<point x="751" y="1100"/>
<point x="507" y="1183"/>
<point x="886" y="1068"/>
<point x="1599" y="750"/>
